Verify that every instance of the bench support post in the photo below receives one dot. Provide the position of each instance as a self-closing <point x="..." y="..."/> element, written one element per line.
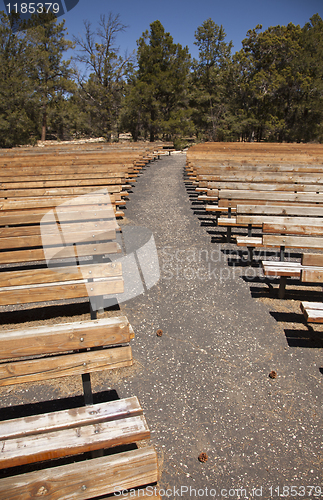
<point x="229" y="227"/>
<point x="87" y="389"/>
<point x="282" y="254"/>
<point x="282" y="287"/>
<point x="93" y="312"/>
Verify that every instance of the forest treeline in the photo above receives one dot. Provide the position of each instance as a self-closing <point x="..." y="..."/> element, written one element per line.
<point x="270" y="90"/>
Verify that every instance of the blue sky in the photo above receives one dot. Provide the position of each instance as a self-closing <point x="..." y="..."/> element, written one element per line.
<point x="181" y="18"/>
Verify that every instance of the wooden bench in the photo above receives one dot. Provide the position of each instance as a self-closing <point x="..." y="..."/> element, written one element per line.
<point x="230" y="199"/>
<point x="73" y="239"/>
<point x="309" y="270"/>
<point x="313" y="311"/>
<point x="47" y="352"/>
<point x="67" y="249"/>
<point x="264" y="216"/>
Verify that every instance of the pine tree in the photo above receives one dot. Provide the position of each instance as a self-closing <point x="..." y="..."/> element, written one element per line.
<point x="208" y="80"/>
<point x="50" y="75"/>
<point x="16" y="125"/>
<point x="158" y="99"/>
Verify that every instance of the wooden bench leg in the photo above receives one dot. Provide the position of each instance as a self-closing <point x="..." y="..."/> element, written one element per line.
<point x="282" y="287"/>
<point x="228" y="234"/>
<point x="282" y="254"/>
<point x="87" y="389"/>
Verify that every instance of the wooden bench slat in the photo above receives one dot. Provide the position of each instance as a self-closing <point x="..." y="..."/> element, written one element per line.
<point x="312" y="276"/>
<point x="273" y="187"/>
<point x="104" y="475"/>
<point x="318" y="306"/>
<point x="52" y="192"/>
<point x="58" y="291"/>
<point x="290" y="269"/>
<point x="46" y="368"/>
<point x="71" y="418"/>
<point x="264" y="177"/>
<point x="286" y="210"/>
<point x="55" y="274"/>
<point x="65" y="229"/>
<point x="271" y="196"/>
<point x="71" y="214"/>
<point x="302" y="229"/>
<point x="252" y="241"/>
<point x="54" y="202"/>
<point x="59" y="182"/>
<point x="292" y="241"/>
<point x="313" y="311"/>
<point x="64" y="337"/>
<point x="68" y="442"/>
<point x="59" y="252"/>
<point x="276" y="219"/>
<point x="56" y="239"/>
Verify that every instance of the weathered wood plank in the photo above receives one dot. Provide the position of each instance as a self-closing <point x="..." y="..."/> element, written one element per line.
<point x="289" y="269"/>
<point x="56" y="274"/>
<point x="65" y="229"/>
<point x="57" y="201"/>
<point x="104" y="475"/>
<point x="52" y="192"/>
<point x="70" y="214"/>
<point x="312" y="276"/>
<point x="284" y="210"/>
<point x="277" y="219"/>
<point x="271" y="196"/>
<point x="292" y="241"/>
<point x="313" y="311"/>
<point x="64" y="337"/>
<point x="245" y="176"/>
<point x="51" y="181"/>
<point x="72" y="441"/>
<point x="56" y="238"/>
<point x="246" y="241"/>
<point x="256" y="186"/>
<point x="40" y="369"/>
<point x="312" y="259"/>
<point x="58" y="291"/>
<point x="294" y="228"/>
<point x="71" y="418"/>
<point x="230" y="202"/>
<point x="60" y="252"/>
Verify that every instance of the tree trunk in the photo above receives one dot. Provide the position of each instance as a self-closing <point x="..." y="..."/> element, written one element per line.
<point x="44" y="123"/>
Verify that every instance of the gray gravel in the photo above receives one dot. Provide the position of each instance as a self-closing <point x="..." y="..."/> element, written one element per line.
<point x="204" y="383"/>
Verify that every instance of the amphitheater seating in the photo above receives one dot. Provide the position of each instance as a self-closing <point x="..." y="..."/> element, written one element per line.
<point x="58" y="226"/>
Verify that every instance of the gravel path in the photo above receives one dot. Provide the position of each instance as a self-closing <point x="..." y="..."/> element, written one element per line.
<point x="204" y="383"/>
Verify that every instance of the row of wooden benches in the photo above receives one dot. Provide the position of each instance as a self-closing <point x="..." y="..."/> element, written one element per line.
<point x="58" y="248"/>
<point x="275" y="191"/>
